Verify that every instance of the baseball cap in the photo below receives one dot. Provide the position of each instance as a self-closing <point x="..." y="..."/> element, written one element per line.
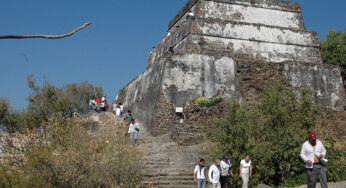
<point x="217" y="161"/>
<point x="312" y="136"/>
<point x="225" y="157"/>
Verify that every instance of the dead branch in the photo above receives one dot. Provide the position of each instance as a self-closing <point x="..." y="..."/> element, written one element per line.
<point x="44" y="36"/>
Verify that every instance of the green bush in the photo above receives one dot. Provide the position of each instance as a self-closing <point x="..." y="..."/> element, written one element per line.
<point x="202" y="102"/>
<point x="9" y="118"/>
<point x="66" y="154"/>
<point x="272" y="132"/>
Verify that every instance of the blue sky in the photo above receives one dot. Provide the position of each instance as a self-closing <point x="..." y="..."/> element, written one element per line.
<point x="110" y="52"/>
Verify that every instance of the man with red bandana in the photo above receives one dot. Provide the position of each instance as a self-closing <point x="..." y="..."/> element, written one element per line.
<point x="312" y="153"/>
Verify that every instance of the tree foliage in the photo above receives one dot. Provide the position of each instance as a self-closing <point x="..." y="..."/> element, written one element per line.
<point x="333" y="50"/>
<point x="272" y="132"/>
<point x="8" y="117"/>
<point x="48" y="101"/>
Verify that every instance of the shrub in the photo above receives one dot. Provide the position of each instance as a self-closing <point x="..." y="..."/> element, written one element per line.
<point x="66" y="154"/>
<point x="273" y="132"/>
<point x="47" y="101"/>
<point x="202" y="102"/>
<point x="9" y="118"/>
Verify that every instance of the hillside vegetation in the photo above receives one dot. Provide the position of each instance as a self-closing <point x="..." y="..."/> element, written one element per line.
<point x="272" y="132"/>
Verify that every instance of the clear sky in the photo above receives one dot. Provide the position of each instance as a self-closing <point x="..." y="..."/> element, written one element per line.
<point x="109" y="53"/>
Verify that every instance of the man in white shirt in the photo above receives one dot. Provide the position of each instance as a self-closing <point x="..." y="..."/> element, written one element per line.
<point x="199" y="174"/>
<point x="214" y="174"/>
<point x="312" y="154"/>
<point x="133" y="130"/>
<point x="226" y="172"/>
<point x="121" y="109"/>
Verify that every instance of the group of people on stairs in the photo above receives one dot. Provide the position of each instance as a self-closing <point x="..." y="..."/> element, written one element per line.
<point x="220" y="173"/>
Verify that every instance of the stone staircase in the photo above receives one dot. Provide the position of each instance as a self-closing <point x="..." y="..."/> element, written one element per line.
<point x="167" y="164"/>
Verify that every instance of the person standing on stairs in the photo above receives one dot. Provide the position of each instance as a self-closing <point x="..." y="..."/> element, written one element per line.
<point x="214" y="174"/>
<point x="128" y="117"/>
<point x="245" y="170"/>
<point x="226" y="172"/>
<point x="313" y="153"/>
<point x="133" y="131"/>
<point x="121" y="109"/>
<point x="199" y="174"/>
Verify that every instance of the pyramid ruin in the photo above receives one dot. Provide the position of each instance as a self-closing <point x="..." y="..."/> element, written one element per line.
<point x="233" y="49"/>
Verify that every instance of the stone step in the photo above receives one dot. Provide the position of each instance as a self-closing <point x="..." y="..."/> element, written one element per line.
<point x="166" y="182"/>
<point x="158" y="163"/>
<point x="175" y="178"/>
<point x="154" y="173"/>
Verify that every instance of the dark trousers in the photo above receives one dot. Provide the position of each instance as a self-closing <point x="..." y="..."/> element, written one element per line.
<point x="317" y="171"/>
<point x="225" y="180"/>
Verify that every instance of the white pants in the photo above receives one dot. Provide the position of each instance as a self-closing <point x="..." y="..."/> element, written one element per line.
<point x="245" y="178"/>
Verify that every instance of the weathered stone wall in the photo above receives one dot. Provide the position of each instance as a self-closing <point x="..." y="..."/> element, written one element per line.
<point x="141" y="95"/>
<point x="193" y="75"/>
<point x="325" y="80"/>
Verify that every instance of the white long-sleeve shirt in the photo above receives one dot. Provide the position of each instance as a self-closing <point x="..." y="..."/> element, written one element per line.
<point x="214" y="174"/>
<point x="307" y="153"/>
<point x="133" y="127"/>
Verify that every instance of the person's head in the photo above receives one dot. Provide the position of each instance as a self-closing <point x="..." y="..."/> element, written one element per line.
<point x="312" y="138"/>
<point x="247" y="157"/>
<point x="133" y="120"/>
<point x="217" y="162"/>
<point x="201" y="162"/>
<point x="225" y="158"/>
<point x="129" y="112"/>
<point x="120" y="103"/>
<point x="76" y="110"/>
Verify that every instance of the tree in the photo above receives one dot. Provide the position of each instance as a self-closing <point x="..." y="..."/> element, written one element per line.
<point x="8" y="117"/>
<point x="45" y="36"/>
<point x="48" y="101"/>
<point x="333" y="50"/>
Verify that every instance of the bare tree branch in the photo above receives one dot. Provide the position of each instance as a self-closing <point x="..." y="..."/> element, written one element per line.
<point x="44" y="36"/>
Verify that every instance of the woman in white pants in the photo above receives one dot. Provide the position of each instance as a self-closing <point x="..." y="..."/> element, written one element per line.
<point x="245" y="170"/>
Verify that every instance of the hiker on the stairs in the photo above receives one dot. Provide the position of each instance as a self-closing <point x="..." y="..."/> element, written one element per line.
<point x="76" y="114"/>
<point x="313" y="153"/>
<point x="214" y="174"/>
<point x="133" y="131"/>
<point x="226" y="172"/>
<point x="121" y="109"/>
<point x="199" y="174"/>
<point x="245" y="170"/>
<point x="128" y="117"/>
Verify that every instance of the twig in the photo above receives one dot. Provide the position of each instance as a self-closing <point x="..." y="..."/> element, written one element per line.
<point x="44" y="36"/>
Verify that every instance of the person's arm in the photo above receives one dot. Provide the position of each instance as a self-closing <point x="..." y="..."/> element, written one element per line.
<point x="302" y="155"/>
<point x="323" y="152"/>
<point x="209" y="174"/>
<point x="240" y="168"/>
<point x="231" y="171"/>
<point x="129" y="131"/>
<point x="250" y="170"/>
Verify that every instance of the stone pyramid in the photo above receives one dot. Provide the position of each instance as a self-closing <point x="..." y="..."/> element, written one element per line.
<point x="233" y="49"/>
